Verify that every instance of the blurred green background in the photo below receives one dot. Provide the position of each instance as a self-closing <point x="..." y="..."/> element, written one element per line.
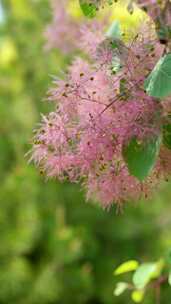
<point x="54" y="247"/>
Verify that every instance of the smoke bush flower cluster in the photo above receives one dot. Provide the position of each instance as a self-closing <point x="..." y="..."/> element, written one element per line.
<point x="160" y="13"/>
<point x="94" y="117"/>
<point x="99" y="107"/>
<point x="154" y="7"/>
<point x="63" y="32"/>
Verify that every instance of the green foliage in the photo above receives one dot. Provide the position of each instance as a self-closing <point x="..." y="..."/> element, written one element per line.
<point x="126" y="267"/>
<point x="169" y="278"/>
<point x="164" y="33"/>
<point x="140" y="156"/>
<point x="120" y="288"/>
<point x="143" y="275"/>
<point x="89" y="9"/>
<point x="158" y="83"/>
<point x="137" y="296"/>
<point x="54" y="248"/>
<point x="167" y="134"/>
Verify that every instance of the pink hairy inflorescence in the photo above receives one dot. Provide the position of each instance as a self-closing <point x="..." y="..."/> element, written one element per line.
<point x="98" y="108"/>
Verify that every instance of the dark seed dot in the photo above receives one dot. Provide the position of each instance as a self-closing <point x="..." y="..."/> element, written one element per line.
<point x="64" y="94"/>
<point x="163" y="41"/>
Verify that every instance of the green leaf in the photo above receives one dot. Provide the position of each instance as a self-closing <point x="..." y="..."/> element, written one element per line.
<point x="144" y="274"/>
<point x="164" y="33"/>
<point x="110" y="2"/>
<point x="168" y="257"/>
<point x="169" y="278"/>
<point x="89" y="9"/>
<point x="137" y="296"/>
<point x="140" y="157"/>
<point x="116" y="64"/>
<point x="126" y="267"/>
<point x="159" y="267"/>
<point x="122" y="85"/>
<point x="158" y="83"/>
<point x="120" y="288"/>
<point x="167" y="133"/>
<point x="114" y="31"/>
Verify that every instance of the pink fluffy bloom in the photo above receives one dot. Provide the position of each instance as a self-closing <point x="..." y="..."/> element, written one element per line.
<point x="152" y="7"/>
<point x="63" y="32"/>
<point x="91" y="35"/>
<point x="68" y="34"/>
<point x="97" y="110"/>
<point x="159" y="11"/>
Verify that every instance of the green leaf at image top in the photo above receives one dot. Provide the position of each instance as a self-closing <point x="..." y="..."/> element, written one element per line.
<point x="140" y="157"/>
<point x="158" y="83"/>
<point x="88" y="8"/>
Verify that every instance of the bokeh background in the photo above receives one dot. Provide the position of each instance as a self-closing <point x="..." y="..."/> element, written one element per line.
<point x="54" y="247"/>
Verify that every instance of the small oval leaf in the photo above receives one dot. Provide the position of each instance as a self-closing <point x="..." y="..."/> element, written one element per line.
<point x="120" y="288"/>
<point x="88" y="8"/>
<point x="126" y="267"/>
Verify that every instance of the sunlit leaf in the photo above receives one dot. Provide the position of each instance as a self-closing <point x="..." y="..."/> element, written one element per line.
<point x="158" y="83"/>
<point x="88" y="8"/>
<point x="169" y="278"/>
<point x="114" y="30"/>
<point x="140" y="157"/>
<point x="168" y="257"/>
<point x="8" y="52"/>
<point x="120" y="288"/>
<point x="159" y="267"/>
<point x="126" y="267"/>
<point x="144" y="274"/>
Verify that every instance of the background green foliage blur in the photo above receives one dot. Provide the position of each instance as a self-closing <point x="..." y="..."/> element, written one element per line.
<point x="54" y="247"/>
